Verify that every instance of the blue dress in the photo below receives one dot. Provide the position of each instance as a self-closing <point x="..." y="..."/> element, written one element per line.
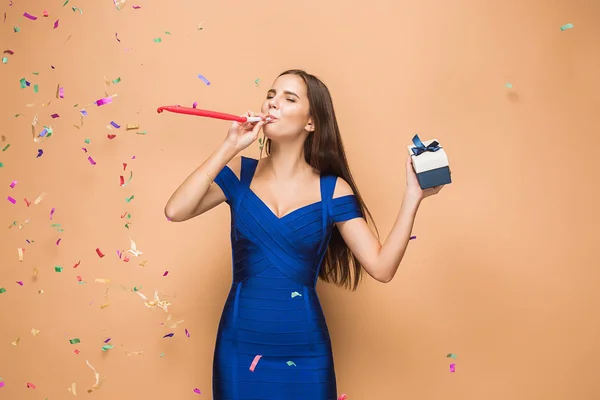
<point x="273" y="309"/>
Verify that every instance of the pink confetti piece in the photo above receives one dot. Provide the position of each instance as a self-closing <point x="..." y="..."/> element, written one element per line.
<point x="197" y="391"/>
<point x="31" y="17"/>
<point x="45" y="13"/>
<point x="56" y="24"/>
<point x="13" y="184"/>
<point x="452" y="367"/>
<point x="91" y="160"/>
<point x="76" y="351"/>
<point x="136" y="7"/>
<point x="117" y="37"/>
<point x="20" y="283"/>
<point x="103" y="101"/>
<point x="254" y="362"/>
<point x="343" y="397"/>
<point x="195" y="104"/>
<point x="166" y="273"/>
<point x="1" y="382"/>
<point x="55" y="116"/>
<point x="61" y="92"/>
<point x="30" y="385"/>
<point x="58" y="241"/>
<point x="11" y="200"/>
<point x="52" y="212"/>
<point x="187" y="333"/>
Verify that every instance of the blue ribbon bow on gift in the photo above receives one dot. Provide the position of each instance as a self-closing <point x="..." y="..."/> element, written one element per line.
<point x="421" y="148"/>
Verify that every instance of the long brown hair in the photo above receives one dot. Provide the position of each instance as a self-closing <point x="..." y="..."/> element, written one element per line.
<point x="324" y="151"/>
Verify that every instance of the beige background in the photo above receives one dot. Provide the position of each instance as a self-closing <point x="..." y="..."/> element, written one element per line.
<point x="504" y="270"/>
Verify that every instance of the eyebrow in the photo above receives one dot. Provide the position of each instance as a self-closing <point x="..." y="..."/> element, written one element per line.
<point x="285" y="92"/>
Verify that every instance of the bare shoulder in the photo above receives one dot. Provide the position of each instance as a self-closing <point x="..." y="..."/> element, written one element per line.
<point x="342" y="188"/>
<point x="235" y="165"/>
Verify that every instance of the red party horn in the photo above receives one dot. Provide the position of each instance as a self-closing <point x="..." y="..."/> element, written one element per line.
<point x="207" y="113"/>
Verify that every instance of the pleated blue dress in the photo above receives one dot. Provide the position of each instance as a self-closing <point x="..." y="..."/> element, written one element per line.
<point x="273" y="309"/>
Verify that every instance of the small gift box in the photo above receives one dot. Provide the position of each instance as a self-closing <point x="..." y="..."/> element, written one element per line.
<point x="430" y="162"/>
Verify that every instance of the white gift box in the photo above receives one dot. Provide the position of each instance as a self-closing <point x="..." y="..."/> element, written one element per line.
<point x="430" y="162"/>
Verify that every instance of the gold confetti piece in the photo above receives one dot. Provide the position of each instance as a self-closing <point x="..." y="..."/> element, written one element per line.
<point x="20" y="251"/>
<point x="35" y="332"/>
<point x="135" y="353"/>
<point x="73" y="389"/>
<point x="36" y="272"/>
<point x="16" y="342"/>
<point x="98" y="383"/>
<point x="157" y="302"/>
<point x="101" y="280"/>
<point x="103" y="306"/>
<point x="40" y="198"/>
<point x="41" y="291"/>
<point x="143" y="263"/>
<point x="133" y="126"/>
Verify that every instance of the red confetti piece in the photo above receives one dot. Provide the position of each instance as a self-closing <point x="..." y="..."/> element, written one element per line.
<point x="122" y="180"/>
<point x="27" y="202"/>
<point x="166" y="272"/>
<point x="99" y="252"/>
<point x="254" y="362"/>
<point x="124" y="166"/>
<point x="9" y="51"/>
<point x="58" y="241"/>
<point x="30" y="385"/>
<point x="79" y="278"/>
<point x="123" y="216"/>
<point x="45" y="13"/>
<point x="91" y="160"/>
<point x="111" y="136"/>
<point x="77" y="265"/>
<point x="76" y="351"/>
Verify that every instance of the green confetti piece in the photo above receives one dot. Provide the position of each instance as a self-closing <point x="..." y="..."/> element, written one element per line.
<point x="74" y="341"/>
<point x="107" y="347"/>
<point x="509" y="85"/>
<point x="66" y="2"/>
<point x="115" y="81"/>
<point x="256" y="82"/>
<point x="127" y="225"/>
<point x="168" y="33"/>
<point x="77" y="9"/>
<point x="135" y="288"/>
<point x="1" y="165"/>
<point x="129" y="199"/>
<point x="162" y="355"/>
<point x="35" y="73"/>
<point x="16" y="29"/>
<point x="567" y="26"/>
<point x="157" y="40"/>
<point x="17" y="115"/>
<point x="55" y="225"/>
<point x="290" y="363"/>
<point x="451" y="355"/>
<point x="87" y="141"/>
<point x="23" y="82"/>
<point x="296" y="294"/>
<point x="2" y="290"/>
<point x="141" y="133"/>
<point x="50" y="131"/>
<point x="58" y="268"/>
<point x="35" y="88"/>
<point x="4" y="60"/>
<point x="6" y="147"/>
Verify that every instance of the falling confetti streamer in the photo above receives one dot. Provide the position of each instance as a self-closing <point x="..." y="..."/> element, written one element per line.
<point x="255" y="362"/>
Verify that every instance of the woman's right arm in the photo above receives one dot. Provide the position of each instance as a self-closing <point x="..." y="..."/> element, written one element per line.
<point x="196" y="194"/>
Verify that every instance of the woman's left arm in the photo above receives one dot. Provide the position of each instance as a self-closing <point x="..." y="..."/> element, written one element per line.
<point x="382" y="261"/>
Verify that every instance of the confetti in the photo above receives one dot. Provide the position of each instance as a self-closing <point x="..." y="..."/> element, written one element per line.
<point x="203" y="79"/>
<point x="567" y="26"/>
<point x="35" y="332"/>
<point x="58" y="268"/>
<point x="412" y="238"/>
<point x="30" y="385"/>
<point x="29" y="16"/>
<point x="133" y="126"/>
<point x="96" y="385"/>
<point x="20" y="283"/>
<point x="101" y="280"/>
<point x="99" y="252"/>
<point x="2" y="382"/>
<point x="452" y="367"/>
<point x="16" y="342"/>
<point x="107" y="347"/>
<point x="509" y="85"/>
<point x="195" y="104"/>
<point x="165" y="273"/>
<point x="187" y="333"/>
<point x="254" y="362"/>
<point x="450" y="355"/>
<point x="113" y="123"/>
<point x="136" y="7"/>
<point x="103" y="101"/>
<point x="13" y="184"/>
<point x="91" y="160"/>
<point x="256" y="82"/>
<point x="20" y="251"/>
<point x="197" y="391"/>
<point x="129" y="199"/>
<point x="2" y="290"/>
<point x="157" y="40"/>
<point x="290" y="363"/>
<point x="16" y="29"/>
<point x="52" y="212"/>
<point x="56" y="24"/>
<point x="11" y="200"/>
<point x="73" y="389"/>
<point x="168" y="335"/>
<point x="343" y="397"/>
<point x="77" y="265"/>
<point x="77" y="9"/>
<point x="117" y="37"/>
<point x="74" y="341"/>
<point x="295" y="294"/>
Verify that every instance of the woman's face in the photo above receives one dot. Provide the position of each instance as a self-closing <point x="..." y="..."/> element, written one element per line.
<point x="287" y="102"/>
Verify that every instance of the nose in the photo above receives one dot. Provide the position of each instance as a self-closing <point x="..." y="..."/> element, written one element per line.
<point x="272" y="103"/>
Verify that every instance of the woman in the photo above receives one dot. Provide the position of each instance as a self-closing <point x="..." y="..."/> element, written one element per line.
<point x="296" y="215"/>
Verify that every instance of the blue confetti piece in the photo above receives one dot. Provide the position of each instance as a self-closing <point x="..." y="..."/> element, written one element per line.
<point x="113" y="123"/>
<point x="168" y="335"/>
<point x="83" y="112"/>
<point x="40" y="152"/>
<point x="204" y="79"/>
<point x="44" y="132"/>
